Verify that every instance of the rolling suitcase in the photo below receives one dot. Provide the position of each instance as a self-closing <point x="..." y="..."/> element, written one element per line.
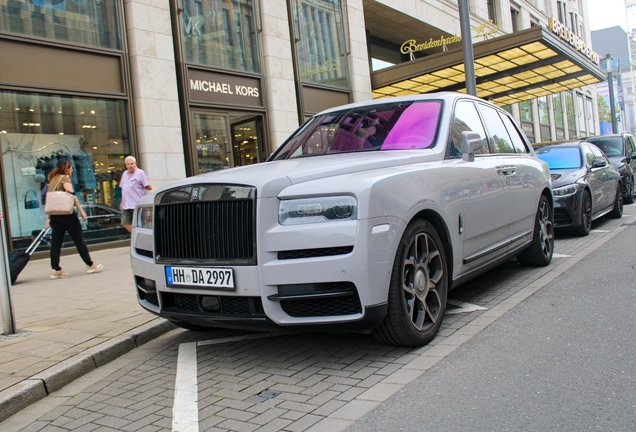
<point x="19" y="259"/>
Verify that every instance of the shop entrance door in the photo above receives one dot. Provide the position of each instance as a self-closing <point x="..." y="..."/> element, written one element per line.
<point x="247" y="141"/>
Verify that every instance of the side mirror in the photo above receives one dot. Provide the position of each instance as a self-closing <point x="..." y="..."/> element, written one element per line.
<point x="598" y="163"/>
<point x="632" y="156"/>
<point x="471" y="142"/>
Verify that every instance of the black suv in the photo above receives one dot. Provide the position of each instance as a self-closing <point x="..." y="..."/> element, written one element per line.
<point x="620" y="149"/>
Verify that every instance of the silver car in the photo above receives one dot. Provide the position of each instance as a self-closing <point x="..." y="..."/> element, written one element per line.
<point x="363" y="219"/>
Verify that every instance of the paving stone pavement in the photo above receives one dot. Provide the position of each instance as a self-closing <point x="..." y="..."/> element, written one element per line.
<point x="287" y="381"/>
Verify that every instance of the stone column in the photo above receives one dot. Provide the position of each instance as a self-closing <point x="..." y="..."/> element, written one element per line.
<point x="154" y="82"/>
<point x="278" y="71"/>
<point x="359" y="71"/>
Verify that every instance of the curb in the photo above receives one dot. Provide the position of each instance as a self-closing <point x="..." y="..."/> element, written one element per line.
<point x="40" y="385"/>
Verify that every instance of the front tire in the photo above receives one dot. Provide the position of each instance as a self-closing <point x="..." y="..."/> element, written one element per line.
<point x="629" y="197"/>
<point x="617" y="211"/>
<point x="586" y="215"/>
<point x="540" y="251"/>
<point x="417" y="290"/>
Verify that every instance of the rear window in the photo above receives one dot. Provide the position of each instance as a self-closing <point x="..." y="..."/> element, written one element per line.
<point x="391" y="126"/>
<point x="560" y="157"/>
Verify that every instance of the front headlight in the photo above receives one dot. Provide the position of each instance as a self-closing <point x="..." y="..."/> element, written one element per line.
<point x="564" y="191"/>
<point x="318" y="209"/>
<point x="144" y="217"/>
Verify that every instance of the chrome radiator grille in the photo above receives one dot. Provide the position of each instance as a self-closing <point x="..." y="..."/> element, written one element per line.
<point x="211" y="231"/>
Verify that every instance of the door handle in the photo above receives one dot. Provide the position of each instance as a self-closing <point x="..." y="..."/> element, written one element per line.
<point x="506" y="170"/>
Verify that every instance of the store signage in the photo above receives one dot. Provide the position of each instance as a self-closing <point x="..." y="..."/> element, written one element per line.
<point x="567" y="35"/>
<point x="411" y="46"/>
<point x="226" y="89"/>
<point x="330" y="65"/>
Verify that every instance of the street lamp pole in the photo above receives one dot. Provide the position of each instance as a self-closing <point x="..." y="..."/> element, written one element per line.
<point x="610" y="85"/>
<point x="467" y="47"/>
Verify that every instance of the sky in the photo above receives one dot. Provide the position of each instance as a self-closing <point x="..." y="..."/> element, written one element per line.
<point x="606" y="13"/>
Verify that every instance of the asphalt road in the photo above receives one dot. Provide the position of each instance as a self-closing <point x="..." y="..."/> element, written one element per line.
<point x="564" y="359"/>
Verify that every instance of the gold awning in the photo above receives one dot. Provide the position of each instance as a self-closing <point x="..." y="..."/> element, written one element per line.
<point x="508" y="69"/>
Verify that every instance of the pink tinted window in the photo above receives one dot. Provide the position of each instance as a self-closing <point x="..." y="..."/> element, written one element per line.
<point x="415" y="129"/>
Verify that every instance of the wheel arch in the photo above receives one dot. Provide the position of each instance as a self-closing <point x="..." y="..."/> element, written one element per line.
<point x="434" y="218"/>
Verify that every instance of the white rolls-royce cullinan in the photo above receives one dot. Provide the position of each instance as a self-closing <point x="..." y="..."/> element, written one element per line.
<point x="361" y="221"/>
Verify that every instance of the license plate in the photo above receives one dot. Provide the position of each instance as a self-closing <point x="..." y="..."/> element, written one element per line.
<point x="205" y="277"/>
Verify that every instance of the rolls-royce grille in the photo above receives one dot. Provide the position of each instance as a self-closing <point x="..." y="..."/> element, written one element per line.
<point x="205" y="230"/>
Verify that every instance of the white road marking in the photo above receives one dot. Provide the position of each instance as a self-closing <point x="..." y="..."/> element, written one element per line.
<point x="185" y="410"/>
<point x="463" y="307"/>
<point x="599" y="231"/>
<point x="556" y="255"/>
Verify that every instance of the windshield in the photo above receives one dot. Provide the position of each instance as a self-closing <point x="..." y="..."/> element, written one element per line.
<point x="611" y="146"/>
<point x="560" y="157"/>
<point x="390" y="126"/>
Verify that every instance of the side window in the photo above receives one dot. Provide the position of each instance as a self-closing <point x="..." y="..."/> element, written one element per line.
<point x="630" y="145"/>
<point x="497" y="132"/>
<point x="466" y="119"/>
<point x="517" y="141"/>
<point x="589" y="156"/>
<point x="598" y="154"/>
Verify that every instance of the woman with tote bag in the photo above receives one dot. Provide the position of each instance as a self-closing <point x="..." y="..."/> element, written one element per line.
<point x="59" y="180"/>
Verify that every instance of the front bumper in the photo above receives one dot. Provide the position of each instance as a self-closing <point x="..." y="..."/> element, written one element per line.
<point x="338" y="281"/>
<point x="567" y="211"/>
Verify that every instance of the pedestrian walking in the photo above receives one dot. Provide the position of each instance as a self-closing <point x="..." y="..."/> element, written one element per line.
<point x="60" y="180"/>
<point x="134" y="183"/>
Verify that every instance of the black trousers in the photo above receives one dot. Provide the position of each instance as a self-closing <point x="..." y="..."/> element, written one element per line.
<point x="60" y="225"/>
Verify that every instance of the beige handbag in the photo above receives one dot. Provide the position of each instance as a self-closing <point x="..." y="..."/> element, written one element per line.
<point x="59" y="202"/>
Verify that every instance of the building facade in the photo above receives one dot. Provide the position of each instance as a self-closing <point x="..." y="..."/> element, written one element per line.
<point x="192" y="86"/>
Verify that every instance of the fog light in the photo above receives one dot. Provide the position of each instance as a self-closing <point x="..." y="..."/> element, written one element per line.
<point x="210" y="304"/>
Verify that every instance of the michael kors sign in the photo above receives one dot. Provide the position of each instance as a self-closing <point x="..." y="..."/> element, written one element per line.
<point x="219" y="88"/>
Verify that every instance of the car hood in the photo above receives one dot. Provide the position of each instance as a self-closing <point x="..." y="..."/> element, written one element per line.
<point x="563" y="177"/>
<point x="270" y="178"/>
<point x="617" y="161"/>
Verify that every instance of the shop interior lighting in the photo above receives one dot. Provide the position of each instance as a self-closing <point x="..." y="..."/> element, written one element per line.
<point x="508" y="69"/>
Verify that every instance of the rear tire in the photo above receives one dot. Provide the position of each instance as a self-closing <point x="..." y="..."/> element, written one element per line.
<point x="617" y="211"/>
<point x="417" y="290"/>
<point x="540" y="251"/>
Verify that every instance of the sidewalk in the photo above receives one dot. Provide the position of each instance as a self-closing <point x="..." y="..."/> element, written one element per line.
<point x="68" y="327"/>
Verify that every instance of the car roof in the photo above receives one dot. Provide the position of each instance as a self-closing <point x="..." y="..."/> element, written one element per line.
<point x="446" y="96"/>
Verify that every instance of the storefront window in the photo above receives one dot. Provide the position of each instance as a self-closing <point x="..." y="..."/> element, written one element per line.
<point x="581" y="114"/>
<point x="211" y="137"/>
<point x="35" y="131"/>
<point x="569" y="106"/>
<point x="544" y="118"/>
<point x="559" y="122"/>
<point x="220" y="33"/>
<point x="590" y="116"/>
<point x="527" y="119"/>
<point x="321" y="46"/>
<point x="85" y="22"/>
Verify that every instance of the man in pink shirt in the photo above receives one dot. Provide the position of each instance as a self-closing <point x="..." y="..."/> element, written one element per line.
<point x="134" y="183"/>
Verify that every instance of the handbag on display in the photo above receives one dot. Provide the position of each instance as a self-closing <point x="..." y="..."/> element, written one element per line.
<point x="59" y="202"/>
<point x="32" y="203"/>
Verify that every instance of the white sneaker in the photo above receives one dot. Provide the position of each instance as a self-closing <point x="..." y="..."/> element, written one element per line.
<point x="94" y="268"/>
<point x="59" y="274"/>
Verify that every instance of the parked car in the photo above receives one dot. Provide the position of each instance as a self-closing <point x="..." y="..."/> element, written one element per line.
<point x="585" y="185"/>
<point x="99" y="216"/>
<point x="620" y="149"/>
<point x="362" y="220"/>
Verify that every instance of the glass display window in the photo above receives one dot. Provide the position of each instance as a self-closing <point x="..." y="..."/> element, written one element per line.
<point x="36" y="130"/>
<point x="321" y="49"/>
<point x="84" y="22"/>
<point x="220" y="33"/>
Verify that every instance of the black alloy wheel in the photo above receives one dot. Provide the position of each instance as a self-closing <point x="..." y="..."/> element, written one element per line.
<point x="540" y="251"/>
<point x="586" y="215"/>
<point x="417" y="290"/>
<point x="617" y="211"/>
